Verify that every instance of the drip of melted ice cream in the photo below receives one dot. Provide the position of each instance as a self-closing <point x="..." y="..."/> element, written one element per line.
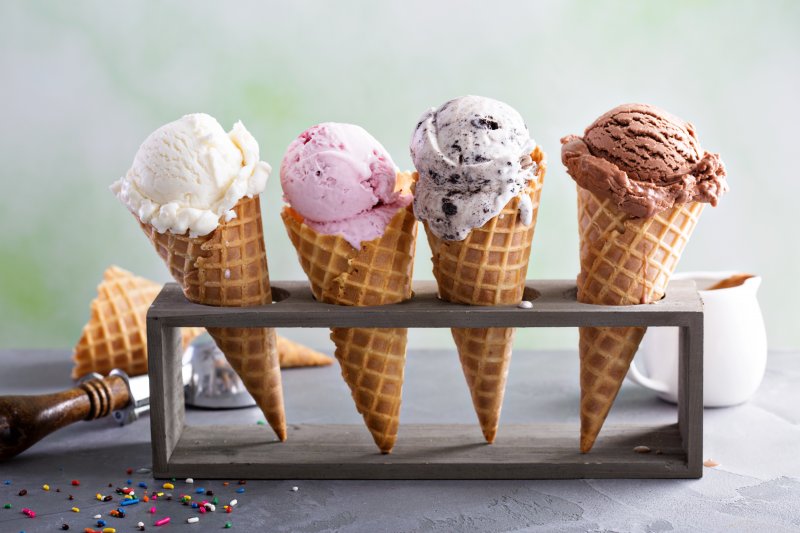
<point x="473" y="156"/>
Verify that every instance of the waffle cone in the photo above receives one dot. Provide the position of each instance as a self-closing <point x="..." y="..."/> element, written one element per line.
<point x="489" y="267"/>
<point x="293" y="355"/>
<point x="228" y="268"/>
<point x="624" y="261"/>
<point x="372" y="359"/>
<point x="116" y="335"/>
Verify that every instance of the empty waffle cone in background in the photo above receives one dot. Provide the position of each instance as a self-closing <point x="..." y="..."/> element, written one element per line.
<point x="489" y="267"/>
<point x="294" y="355"/>
<point x="228" y="268"/>
<point x="372" y="359"/>
<point x="624" y="261"/>
<point x="116" y="334"/>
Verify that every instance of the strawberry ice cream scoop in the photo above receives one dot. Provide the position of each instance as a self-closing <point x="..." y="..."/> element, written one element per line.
<point x="341" y="181"/>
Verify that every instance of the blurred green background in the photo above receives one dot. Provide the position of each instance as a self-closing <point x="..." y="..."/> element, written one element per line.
<point x="83" y="83"/>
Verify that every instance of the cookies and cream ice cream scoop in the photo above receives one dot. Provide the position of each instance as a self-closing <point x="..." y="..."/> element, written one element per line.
<point x="473" y="156"/>
<point x="645" y="159"/>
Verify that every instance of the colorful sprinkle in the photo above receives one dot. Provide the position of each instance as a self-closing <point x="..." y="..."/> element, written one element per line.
<point x="240" y="490"/>
<point x="129" y="502"/>
<point x="129" y="471"/>
<point x="109" y="530"/>
<point x="261" y="423"/>
<point x="140" y="525"/>
<point x="142" y="484"/>
<point x="168" y="486"/>
<point x="192" y="520"/>
<point x="295" y="489"/>
<point x="152" y="510"/>
<point x="29" y="513"/>
<point x="189" y="480"/>
<point x="162" y="522"/>
<point x="228" y="525"/>
<point x="101" y="523"/>
<point x="210" y="507"/>
<point x="7" y="482"/>
<point x="108" y="498"/>
<point x="45" y="487"/>
<point x="7" y="506"/>
<point x="64" y="527"/>
<point x="23" y="492"/>
<point x="76" y="483"/>
<point x="233" y="502"/>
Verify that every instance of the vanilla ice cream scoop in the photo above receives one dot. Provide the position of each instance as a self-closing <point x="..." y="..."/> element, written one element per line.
<point x="473" y="156"/>
<point x="190" y="173"/>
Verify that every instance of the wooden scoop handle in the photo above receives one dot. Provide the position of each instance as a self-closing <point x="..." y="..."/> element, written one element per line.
<point x="25" y="420"/>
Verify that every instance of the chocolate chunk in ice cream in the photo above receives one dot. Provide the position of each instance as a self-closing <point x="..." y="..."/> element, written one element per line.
<point x="645" y="160"/>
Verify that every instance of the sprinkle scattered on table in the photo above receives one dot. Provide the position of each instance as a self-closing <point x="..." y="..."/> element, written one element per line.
<point x="710" y="463"/>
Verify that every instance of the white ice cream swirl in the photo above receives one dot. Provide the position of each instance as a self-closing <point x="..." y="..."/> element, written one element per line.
<point x="190" y="173"/>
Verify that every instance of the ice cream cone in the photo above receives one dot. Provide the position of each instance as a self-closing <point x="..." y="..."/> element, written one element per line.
<point x="116" y="334"/>
<point x="294" y="355"/>
<point x="624" y="261"/>
<point x="228" y="268"/>
<point x="372" y="359"/>
<point x="489" y="267"/>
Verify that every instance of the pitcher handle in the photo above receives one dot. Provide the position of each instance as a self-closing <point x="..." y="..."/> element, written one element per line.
<point x="640" y="379"/>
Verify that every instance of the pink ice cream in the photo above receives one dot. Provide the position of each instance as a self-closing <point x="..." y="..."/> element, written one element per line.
<point x="341" y="181"/>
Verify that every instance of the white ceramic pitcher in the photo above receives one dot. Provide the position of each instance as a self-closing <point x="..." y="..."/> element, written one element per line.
<point x="734" y="347"/>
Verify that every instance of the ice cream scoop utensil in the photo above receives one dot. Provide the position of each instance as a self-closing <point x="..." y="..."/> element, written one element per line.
<point x="25" y="420"/>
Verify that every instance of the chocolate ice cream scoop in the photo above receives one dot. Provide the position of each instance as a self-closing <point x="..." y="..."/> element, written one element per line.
<point x="645" y="160"/>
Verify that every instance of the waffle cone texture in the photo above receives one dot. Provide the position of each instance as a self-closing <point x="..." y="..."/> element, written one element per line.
<point x="228" y="268"/>
<point x="372" y="360"/>
<point x="624" y="261"/>
<point x="116" y="334"/>
<point x="489" y="267"/>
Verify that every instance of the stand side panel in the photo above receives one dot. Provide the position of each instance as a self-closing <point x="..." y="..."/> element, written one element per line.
<point x="166" y="391"/>
<point x="690" y="394"/>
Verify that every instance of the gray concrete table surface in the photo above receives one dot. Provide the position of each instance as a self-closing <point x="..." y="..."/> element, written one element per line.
<point x="755" y="488"/>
